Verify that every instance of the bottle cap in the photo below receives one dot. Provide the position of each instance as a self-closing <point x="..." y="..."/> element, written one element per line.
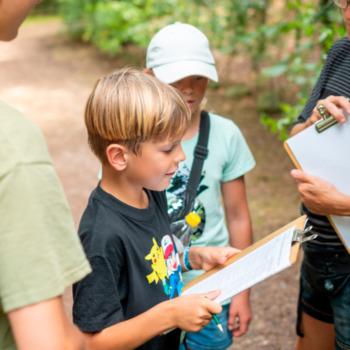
<point x="193" y="219"/>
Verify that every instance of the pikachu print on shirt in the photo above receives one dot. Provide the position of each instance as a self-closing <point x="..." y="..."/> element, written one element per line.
<point x="165" y="263"/>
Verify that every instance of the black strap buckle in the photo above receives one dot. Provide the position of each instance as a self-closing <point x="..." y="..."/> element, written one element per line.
<point x="201" y="152"/>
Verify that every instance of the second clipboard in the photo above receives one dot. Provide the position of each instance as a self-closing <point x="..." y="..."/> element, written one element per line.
<point x="325" y="153"/>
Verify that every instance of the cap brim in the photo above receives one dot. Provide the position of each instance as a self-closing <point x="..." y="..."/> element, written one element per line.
<point x="175" y="71"/>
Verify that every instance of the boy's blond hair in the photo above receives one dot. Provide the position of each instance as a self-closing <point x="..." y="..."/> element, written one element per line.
<point x="130" y="107"/>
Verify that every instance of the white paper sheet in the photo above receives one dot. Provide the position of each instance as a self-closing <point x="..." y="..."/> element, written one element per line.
<point x="261" y="263"/>
<point x="327" y="156"/>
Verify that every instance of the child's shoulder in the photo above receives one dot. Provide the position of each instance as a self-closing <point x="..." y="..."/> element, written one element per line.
<point x="104" y="211"/>
<point x="101" y="213"/>
<point x="219" y="119"/>
<point x="218" y="122"/>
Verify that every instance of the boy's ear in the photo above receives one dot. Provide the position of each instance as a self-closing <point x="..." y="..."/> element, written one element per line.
<point x="149" y="71"/>
<point x="116" y="155"/>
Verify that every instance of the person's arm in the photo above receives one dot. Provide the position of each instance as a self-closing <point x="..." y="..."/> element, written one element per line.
<point x="333" y="105"/>
<point x="240" y="230"/>
<point x="319" y="196"/>
<point x="190" y="313"/>
<point x="45" y="325"/>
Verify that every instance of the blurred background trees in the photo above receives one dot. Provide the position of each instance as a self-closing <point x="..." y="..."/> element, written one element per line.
<point x="284" y="42"/>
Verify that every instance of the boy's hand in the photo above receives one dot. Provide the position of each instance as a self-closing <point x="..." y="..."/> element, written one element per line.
<point x="206" y="258"/>
<point x="240" y="314"/>
<point x="193" y="312"/>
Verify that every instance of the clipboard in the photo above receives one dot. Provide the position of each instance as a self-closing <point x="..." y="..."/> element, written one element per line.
<point x="323" y="150"/>
<point x="254" y="264"/>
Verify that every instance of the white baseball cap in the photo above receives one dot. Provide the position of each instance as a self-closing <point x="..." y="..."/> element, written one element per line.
<point x="180" y="50"/>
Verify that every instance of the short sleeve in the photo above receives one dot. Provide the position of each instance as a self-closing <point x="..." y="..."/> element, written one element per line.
<point x="40" y="251"/>
<point x="97" y="302"/>
<point x="239" y="157"/>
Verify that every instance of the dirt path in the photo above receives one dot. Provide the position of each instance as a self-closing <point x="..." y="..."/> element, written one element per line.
<point x="49" y="79"/>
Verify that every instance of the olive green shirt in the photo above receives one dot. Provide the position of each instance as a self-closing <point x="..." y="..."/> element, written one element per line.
<point x="40" y="252"/>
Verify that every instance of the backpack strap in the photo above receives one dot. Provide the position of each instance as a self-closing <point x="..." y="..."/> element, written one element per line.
<point x="200" y="154"/>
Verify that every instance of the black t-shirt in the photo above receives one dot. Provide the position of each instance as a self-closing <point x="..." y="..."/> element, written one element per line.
<point x="334" y="80"/>
<point x="134" y="260"/>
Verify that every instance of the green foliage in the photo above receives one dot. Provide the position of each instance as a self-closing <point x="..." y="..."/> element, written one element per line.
<point x="238" y="91"/>
<point x="230" y="25"/>
<point x="47" y="7"/>
<point x="282" y="124"/>
<point x="313" y="29"/>
<point x="284" y="40"/>
<point x="269" y="102"/>
<point x="111" y="24"/>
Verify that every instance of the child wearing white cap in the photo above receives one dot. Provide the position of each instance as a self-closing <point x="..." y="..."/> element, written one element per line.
<point x="179" y="54"/>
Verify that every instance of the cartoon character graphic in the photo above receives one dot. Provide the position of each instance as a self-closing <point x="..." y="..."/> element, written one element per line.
<point x="180" y="179"/>
<point x="173" y="266"/>
<point x="158" y="266"/>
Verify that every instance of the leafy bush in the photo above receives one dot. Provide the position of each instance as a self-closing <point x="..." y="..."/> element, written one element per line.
<point x="314" y="29"/>
<point x="111" y="24"/>
<point x="281" y="38"/>
<point x="47" y="7"/>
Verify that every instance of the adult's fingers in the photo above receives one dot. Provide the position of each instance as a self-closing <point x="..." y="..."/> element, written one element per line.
<point x="300" y="176"/>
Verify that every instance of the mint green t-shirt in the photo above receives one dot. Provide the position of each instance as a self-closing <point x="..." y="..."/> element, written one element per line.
<point x="40" y="252"/>
<point x="229" y="158"/>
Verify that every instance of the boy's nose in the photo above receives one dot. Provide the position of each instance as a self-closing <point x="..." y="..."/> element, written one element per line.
<point x="180" y="155"/>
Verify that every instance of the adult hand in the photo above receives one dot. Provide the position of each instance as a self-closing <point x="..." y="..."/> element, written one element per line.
<point x="320" y="196"/>
<point x="333" y="106"/>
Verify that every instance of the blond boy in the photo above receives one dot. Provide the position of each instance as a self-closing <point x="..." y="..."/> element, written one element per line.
<point x="135" y="124"/>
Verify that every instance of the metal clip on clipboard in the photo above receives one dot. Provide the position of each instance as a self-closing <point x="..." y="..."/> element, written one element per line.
<point x="327" y="120"/>
<point x="300" y="236"/>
